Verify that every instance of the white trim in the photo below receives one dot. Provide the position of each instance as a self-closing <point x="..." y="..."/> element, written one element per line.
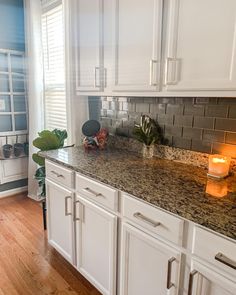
<point x="48" y="5"/>
<point x="13" y="191"/>
<point x="68" y="54"/>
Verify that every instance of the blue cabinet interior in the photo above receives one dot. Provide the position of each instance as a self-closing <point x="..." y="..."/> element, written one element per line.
<point x="12" y="87"/>
<point x="12" y="37"/>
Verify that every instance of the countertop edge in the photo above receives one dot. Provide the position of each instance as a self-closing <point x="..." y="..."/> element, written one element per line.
<point x="140" y="198"/>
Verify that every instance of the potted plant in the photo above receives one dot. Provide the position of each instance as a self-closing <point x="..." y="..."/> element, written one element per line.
<point x="148" y="133"/>
<point x="47" y="140"/>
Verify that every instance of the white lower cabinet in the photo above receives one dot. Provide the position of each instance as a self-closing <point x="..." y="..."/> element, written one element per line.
<point x="148" y="257"/>
<point x="60" y="219"/>
<point x="148" y="266"/>
<point x="13" y="169"/>
<point x="96" y="243"/>
<point x="206" y="281"/>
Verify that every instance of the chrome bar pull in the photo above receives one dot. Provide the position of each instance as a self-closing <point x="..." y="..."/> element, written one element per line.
<point x="104" y="77"/>
<point x="169" y="284"/>
<point x="225" y="260"/>
<point x="167" y="65"/>
<point x="96" y="85"/>
<point x="57" y="174"/>
<point x="66" y="206"/>
<point x="147" y="220"/>
<point x="190" y="282"/>
<point x="95" y="194"/>
<point x="75" y="208"/>
<point x="151" y="67"/>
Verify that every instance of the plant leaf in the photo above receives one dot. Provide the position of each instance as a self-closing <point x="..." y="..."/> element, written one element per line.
<point x="38" y="159"/>
<point x="61" y="135"/>
<point x="46" y="141"/>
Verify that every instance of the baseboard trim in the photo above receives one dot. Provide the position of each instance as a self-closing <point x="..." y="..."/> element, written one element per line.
<point x="13" y="191"/>
<point x="36" y="198"/>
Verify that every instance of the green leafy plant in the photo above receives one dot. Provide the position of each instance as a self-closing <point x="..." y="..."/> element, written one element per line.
<point x="147" y="131"/>
<point x="47" y="140"/>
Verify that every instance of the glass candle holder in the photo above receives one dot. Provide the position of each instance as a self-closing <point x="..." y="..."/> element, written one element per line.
<point x="218" y="166"/>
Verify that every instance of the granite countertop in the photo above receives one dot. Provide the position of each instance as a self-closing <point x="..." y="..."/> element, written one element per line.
<point x="176" y="187"/>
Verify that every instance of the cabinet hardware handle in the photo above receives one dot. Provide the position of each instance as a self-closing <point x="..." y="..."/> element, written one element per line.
<point x="66" y="206"/>
<point x="57" y="174"/>
<point x="95" y="77"/>
<point x="190" y="282"/>
<point x="168" y="60"/>
<point x="151" y="222"/>
<point x="88" y="190"/>
<point x="75" y="206"/>
<point x="225" y="260"/>
<point x="152" y="61"/>
<point x="105" y="77"/>
<point x="169" y="271"/>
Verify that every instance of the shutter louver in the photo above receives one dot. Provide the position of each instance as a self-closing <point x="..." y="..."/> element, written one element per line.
<point x="54" y="69"/>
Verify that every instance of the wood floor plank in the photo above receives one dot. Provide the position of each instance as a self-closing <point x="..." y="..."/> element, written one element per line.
<point x="28" y="264"/>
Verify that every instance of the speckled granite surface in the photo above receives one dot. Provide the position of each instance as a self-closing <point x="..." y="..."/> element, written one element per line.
<point x="176" y="187"/>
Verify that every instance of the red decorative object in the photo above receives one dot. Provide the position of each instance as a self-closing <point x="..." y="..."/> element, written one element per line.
<point x="97" y="141"/>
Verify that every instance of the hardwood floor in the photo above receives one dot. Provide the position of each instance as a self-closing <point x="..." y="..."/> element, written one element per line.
<point x="28" y="265"/>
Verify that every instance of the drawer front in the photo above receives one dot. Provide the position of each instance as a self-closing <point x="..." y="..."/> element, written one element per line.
<point x="59" y="174"/>
<point x="97" y="192"/>
<point x="216" y="250"/>
<point x="157" y="221"/>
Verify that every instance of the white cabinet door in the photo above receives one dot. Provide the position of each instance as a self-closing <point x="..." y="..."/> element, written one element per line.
<point x="147" y="266"/>
<point x="206" y="281"/>
<point x="88" y="21"/>
<point x="137" y="45"/>
<point x="13" y="169"/>
<point x="59" y="218"/>
<point x="201" y="49"/>
<point x="96" y="233"/>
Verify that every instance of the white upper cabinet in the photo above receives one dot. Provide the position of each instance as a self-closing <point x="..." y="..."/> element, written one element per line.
<point x="201" y="45"/>
<point x="88" y="28"/>
<point x="155" y="47"/>
<point x="137" y="45"/>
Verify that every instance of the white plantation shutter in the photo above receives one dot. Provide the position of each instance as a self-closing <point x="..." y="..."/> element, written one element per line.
<point x="54" y="68"/>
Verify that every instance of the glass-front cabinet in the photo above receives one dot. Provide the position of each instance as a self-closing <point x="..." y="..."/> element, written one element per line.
<point x="13" y="103"/>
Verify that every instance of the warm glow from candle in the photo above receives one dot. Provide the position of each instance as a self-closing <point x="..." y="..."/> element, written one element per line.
<point x="219" y="166"/>
<point x="217" y="160"/>
<point x="217" y="189"/>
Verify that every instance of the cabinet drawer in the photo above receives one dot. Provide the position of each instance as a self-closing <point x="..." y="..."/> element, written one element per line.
<point x="159" y="222"/>
<point x="97" y="192"/>
<point x="60" y="174"/>
<point x="216" y="250"/>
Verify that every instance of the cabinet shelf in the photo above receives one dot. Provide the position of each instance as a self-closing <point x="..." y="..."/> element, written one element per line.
<point x="13" y="158"/>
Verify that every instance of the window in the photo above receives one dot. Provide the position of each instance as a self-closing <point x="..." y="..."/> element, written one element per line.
<point x="13" y="107"/>
<point x="55" y="107"/>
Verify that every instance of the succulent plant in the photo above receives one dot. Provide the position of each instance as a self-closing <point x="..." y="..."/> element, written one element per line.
<point x="147" y="131"/>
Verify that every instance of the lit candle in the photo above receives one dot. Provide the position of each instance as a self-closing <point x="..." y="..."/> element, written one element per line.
<point x="218" y="166"/>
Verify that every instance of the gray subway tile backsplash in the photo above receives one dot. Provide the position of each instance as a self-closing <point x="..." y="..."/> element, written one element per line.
<point x="203" y="122"/>
<point x="232" y="112"/>
<point x="226" y="124"/>
<point x="230" y="138"/>
<point x="220" y="111"/>
<point x="194" y="109"/>
<point x="199" y="124"/>
<point x="213" y="135"/>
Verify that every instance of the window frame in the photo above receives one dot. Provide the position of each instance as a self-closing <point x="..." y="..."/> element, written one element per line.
<point x="11" y="93"/>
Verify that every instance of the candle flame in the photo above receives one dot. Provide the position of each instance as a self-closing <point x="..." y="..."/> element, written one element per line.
<point x="219" y="160"/>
